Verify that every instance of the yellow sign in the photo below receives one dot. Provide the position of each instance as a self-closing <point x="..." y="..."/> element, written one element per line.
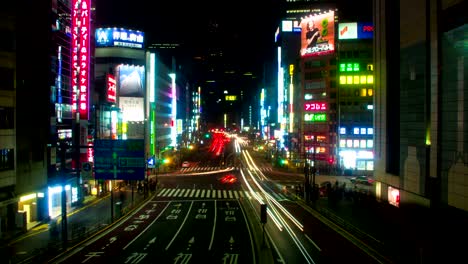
<point x="231" y="97"/>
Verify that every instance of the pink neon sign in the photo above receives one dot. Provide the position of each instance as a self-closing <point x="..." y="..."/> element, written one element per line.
<point x="80" y="56"/>
<point x="111" y="88"/>
<point x="319" y="106"/>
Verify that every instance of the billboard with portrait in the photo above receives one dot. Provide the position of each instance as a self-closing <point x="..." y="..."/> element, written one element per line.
<point x="131" y="80"/>
<point x="318" y="34"/>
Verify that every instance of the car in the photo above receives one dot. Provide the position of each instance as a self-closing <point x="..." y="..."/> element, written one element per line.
<point x="185" y="164"/>
<point x="228" y="179"/>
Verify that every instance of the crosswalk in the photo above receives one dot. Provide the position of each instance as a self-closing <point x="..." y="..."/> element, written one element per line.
<point x="212" y="194"/>
<point x="214" y="168"/>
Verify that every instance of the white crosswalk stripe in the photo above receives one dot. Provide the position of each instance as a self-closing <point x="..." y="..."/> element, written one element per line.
<point x="200" y="169"/>
<point x="213" y="194"/>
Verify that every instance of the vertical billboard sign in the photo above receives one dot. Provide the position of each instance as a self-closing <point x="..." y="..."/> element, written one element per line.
<point x="131" y="80"/>
<point x="80" y="56"/>
<point x="111" y="88"/>
<point x="318" y="34"/>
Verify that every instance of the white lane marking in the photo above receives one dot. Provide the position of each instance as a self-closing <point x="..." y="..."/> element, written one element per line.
<point x="180" y="227"/>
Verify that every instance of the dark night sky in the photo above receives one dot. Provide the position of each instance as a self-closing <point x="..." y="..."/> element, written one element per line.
<point x="245" y="26"/>
<point x="245" y="30"/>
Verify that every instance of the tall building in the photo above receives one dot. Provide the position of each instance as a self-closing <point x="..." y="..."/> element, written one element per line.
<point x="8" y="147"/>
<point x="355" y="81"/>
<point x="40" y="146"/>
<point x="420" y="104"/>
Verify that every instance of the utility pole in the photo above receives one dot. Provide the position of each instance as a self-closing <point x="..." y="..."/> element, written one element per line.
<point x="63" y="159"/>
<point x="314" y="170"/>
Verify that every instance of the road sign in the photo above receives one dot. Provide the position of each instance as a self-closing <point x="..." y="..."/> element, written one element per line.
<point x="151" y="162"/>
<point x="119" y="159"/>
<point x="86" y="171"/>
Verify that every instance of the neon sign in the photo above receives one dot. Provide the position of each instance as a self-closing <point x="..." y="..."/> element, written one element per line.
<point x="80" y="56"/>
<point x="319" y="117"/>
<point x="111" y="88"/>
<point x="320" y="106"/>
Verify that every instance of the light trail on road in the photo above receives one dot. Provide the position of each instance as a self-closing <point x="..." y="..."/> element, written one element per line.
<point x="274" y="207"/>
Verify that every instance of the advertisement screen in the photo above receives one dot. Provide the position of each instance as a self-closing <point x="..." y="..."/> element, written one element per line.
<point x="318" y="34"/>
<point x="131" y="80"/>
<point x="365" y="30"/>
<point x="132" y="108"/>
<point x="347" y="31"/>
<point x="119" y="37"/>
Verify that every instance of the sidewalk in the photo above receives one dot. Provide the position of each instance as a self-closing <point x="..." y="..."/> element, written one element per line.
<point x="44" y="240"/>
<point x="409" y="234"/>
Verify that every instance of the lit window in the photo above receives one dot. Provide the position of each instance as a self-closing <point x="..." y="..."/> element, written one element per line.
<point x="361" y="164"/>
<point x="356" y="143"/>
<point x="356" y="79"/>
<point x="356" y="67"/>
<point x="342" y="130"/>
<point x="349" y="79"/>
<point x="356" y="131"/>
<point x="349" y="67"/>
<point x="363" y="143"/>
<point x="342" y="79"/>
<point x="342" y="67"/>
<point x="370" y="131"/>
<point x="363" y="130"/>
<point x="363" y="92"/>
<point x="370" y="107"/>
<point x="349" y="143"/>
<point x="342" y="143"/>
<point x="370" y="67"/>
<point x="370" y="165"/>
<point x="370" y="79"/>
<point x="370" y="143"/>
<point x="363" y="79"/>
<point x="370" y="92"/>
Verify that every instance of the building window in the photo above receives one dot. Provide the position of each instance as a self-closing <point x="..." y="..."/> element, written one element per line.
<point x="7" y="118"/>
<point x="342" y="130"/>
<point x="7" y="76"/>
<point x="7" y="161"/>
<point x="342" y="143"/>
<point x="363" y="143"/>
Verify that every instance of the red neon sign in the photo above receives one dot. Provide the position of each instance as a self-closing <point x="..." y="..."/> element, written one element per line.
<point x="111" y="88"/>
<point x="80" y="56"/>
<point x="320" y="106"/>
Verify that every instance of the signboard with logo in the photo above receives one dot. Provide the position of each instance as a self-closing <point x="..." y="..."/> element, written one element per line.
<point x="355" y="30"/>
<point x="119" y="37"/>
<point x="119" y="159"/>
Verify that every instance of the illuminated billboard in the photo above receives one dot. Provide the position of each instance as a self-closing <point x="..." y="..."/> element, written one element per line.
<point x="231" y="98"/>
<point x="119" y="37"/>
<point x="347" y="30"/>
<point x="111" y="88"/>
<point x="131" y="80"/>
<point x="132" y="108"/>
<point x="318" y="34"/>
<point x="80" y="56"/>
<point x="318" y="106"/>
<point x="317" y="117"/>
<point x="355" y="30"/>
